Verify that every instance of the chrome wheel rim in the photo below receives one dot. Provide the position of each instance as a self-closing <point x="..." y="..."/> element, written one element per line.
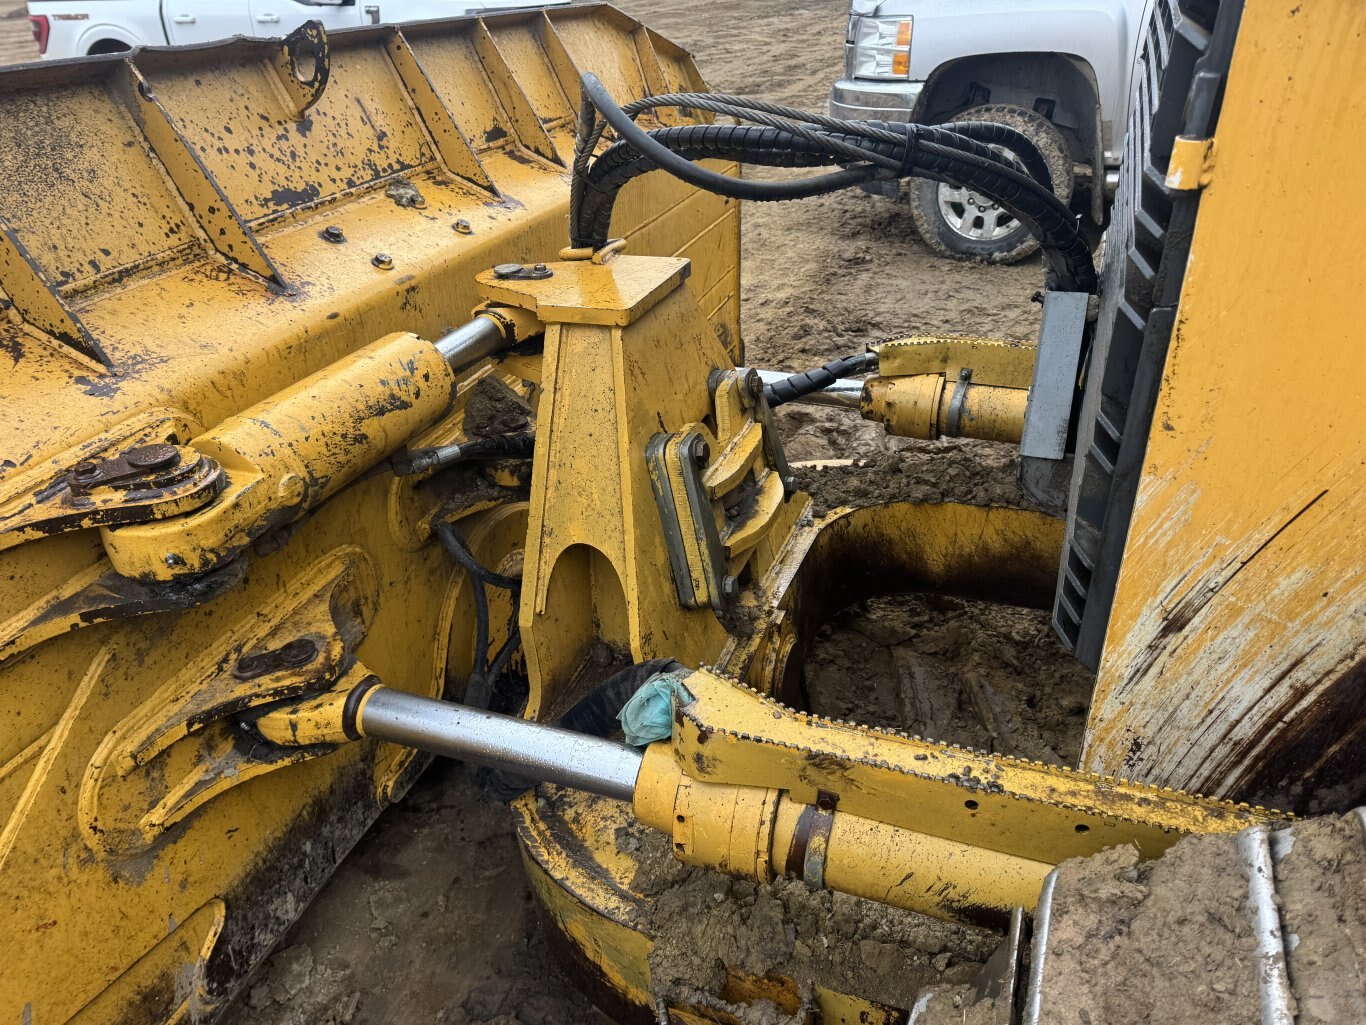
<point x="973" y="216"/>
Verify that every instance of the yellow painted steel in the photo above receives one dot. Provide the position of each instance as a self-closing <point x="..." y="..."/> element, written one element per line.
<point x="628" y="356"/>
<point x="222" y="283"/>
<point x="1235" y="644"/>
<point x="1192" y="163"/>
<point x="992" y="360"/>
<point x="164" y="267"/>
<point x="920" y="381"/>
<point x="290" y="453"/>
<point x="61" y="503"/>
<point x="965" y="833"/>
<point x="1044" y="813"/>
<point x="922" y="407"/>
<point x="765" y="832"/>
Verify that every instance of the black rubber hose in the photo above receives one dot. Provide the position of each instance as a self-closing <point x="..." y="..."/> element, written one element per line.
<point x="502" y="699"/>
<point x="1022" y="146"/>
<point x="595" y="93"/>
<point x="1068" y="257"/>
<point x="808" y="382"/>
<point x="477" y="688"/>
<point x="590" y="216"/>
<point x="774" y="147"/>
<point x="933" y="153"/>
<point x="680" y="167"/>
<point x="455" y="544"/>
<point x="767" y="146"/>
<point x="1065" y="251"/>
<point x="988" y="133"/>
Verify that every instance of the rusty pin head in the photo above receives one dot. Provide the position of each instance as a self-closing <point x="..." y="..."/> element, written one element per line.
<point x="152" y="457"/>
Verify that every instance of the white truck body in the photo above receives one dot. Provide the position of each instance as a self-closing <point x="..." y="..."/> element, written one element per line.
<point x="77" y="28"/>
<point x="1017" y="51"/>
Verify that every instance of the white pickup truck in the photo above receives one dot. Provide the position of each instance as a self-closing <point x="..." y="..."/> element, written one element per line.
<point x="1058" y="70"/>
<point x="76" y="28"/>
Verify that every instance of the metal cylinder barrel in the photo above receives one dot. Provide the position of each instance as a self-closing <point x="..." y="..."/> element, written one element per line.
<point x="763" y="833"/>
<point x="538" y="751"/>
<point x="926" y="406"/>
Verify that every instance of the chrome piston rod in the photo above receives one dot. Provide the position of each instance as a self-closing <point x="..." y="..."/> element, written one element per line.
<point x="469" y="343"/>
<point x="844" y="393"/>
<point x="535" y="750"/>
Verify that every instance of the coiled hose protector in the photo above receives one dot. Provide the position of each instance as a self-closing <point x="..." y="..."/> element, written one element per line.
<point x="807" y="382"/>
<point x="1068" y="256"/>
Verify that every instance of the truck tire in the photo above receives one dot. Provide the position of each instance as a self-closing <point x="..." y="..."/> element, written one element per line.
<point x="963" y="226"/>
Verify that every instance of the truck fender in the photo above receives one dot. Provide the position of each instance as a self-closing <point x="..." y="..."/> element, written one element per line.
<point x="1061" y="87"/>
<point x="104" y="31"/>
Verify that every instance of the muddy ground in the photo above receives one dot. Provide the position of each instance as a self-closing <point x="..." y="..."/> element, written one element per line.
<point x="430" y="919"/>
<point x="16" y="39"/>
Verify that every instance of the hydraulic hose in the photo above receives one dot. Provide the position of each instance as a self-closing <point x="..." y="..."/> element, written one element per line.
<point x="681" y="167"/>
<point x="768" y="146"/>
<point x="797" y="386"/>
<point x="478" y="690"/>
<point x="1014" y="174"/>
<point x="1068" y="256"/>
<point x="1013" y="140"/>
<point x="517" y="445"/>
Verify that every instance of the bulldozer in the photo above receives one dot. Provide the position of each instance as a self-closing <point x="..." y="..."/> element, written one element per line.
<point x="381" y="395"/>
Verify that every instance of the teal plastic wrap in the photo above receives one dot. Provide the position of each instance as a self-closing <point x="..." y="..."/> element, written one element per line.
<point x="649" y="715"/>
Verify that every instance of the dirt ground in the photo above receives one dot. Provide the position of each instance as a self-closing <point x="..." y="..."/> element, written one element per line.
<point x="430" y="919"/>
<point x="16" y="39"/>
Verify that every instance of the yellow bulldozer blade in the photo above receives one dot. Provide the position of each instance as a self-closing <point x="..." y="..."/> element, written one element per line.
<point x="184" y="233"/>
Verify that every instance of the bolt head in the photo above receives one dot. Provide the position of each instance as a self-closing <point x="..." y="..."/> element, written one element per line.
<point x="463" y="227"/>
<point x="298" y="652"/>
<point x="333" y="234"/>
<point x="755" y="384"/>
<point x="507" y="270"/>
<point x="85" y="471"/>
<point x="540" y="268"/>
<point x="383" y="261"/>
<point x="730" y="586"/>
<point x="152" y="457"/>
<point x="699" y="450"/>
